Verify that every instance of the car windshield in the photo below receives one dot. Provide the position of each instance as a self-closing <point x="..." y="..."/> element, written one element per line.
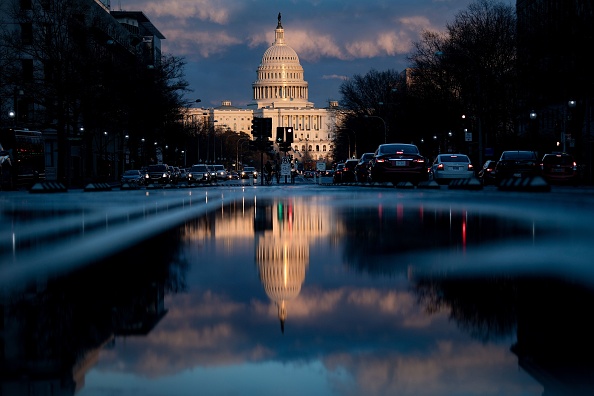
<point x="199" y="168"/>
<point x="513" y="155"/>
<point x="558" y="159"/>
<point x="454" y="158"/>
<point x="219" y="167"/>
<point x="157" y="168"/>
<point x="249" y="169"/>
<point x="398" y="148"/>
<point x="131" y="173"/>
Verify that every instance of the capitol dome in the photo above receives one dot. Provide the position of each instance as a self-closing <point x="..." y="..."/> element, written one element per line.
<point x="280" y="80"/>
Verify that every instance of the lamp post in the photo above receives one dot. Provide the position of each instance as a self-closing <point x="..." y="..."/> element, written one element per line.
<point x="570" y="104"/>
<point x="385" y="128"/>
<point x="533" y="134"/>
<point x="237" y="153"/>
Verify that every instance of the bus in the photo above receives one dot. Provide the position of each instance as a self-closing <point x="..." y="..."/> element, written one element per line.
<point x="22" y="158"/>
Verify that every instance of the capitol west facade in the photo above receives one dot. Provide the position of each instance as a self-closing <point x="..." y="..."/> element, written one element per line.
<point x="281" y="93"/>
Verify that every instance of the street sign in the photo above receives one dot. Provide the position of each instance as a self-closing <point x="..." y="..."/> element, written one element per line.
<point x="285" y="166"/>
<point x="468" y="136"/>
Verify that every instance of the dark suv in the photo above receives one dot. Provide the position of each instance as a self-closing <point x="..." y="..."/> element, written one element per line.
<point x="517" y="163"/>
<point x="159" y="174"/>
<point x="559" y="168"/>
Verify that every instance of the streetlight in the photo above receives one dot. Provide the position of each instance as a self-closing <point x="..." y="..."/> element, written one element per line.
<point x="385" y="128"/>
<point x="570" y="104"/>
<point x="237" y="153"/>
<point x="533" y="136"/>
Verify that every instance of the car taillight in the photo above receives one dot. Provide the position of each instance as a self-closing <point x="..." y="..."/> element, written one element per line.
<point x="470" y="167"/>
<point x="380" y="160"/>
<point x="440" y="167"/>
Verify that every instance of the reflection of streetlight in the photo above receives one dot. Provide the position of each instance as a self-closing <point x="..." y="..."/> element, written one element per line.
<point x="385" y="128"/>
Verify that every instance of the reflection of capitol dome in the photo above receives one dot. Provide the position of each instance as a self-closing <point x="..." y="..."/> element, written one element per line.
<point x="280" y="75"/>
<point x="282" y="271"/>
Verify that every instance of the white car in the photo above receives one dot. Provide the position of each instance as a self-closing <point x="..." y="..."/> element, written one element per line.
<point x="221" y="172"/>
<point x="448" y="167"/>
<point x="249" y="171"/>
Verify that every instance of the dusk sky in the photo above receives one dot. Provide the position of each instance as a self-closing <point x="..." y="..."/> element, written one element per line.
<point x="222" y="41"/>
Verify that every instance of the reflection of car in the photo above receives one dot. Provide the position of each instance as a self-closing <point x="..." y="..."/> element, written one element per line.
<point x="199" y="173"/>
<point x="362" y="167"/>
<point x="249" y="171"/>
<point x="337" y="176"/>
<point x="221" y="173"/>
<point x="559" y="168"/>
<point x="517" y="163"/>
<point x="159" y="173"/>
<point x="132" y="176"/>
<point x="448" y="167"/>
<point x="394" y="162"/>
<point x="348" y="172"/>
<point x="487" y="173"/>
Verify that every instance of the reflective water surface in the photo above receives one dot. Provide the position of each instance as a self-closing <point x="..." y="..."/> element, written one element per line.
<point x="316" y="295"/>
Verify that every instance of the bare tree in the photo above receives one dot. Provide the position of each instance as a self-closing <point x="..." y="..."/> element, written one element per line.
<point x="369" y="110"/>
<point x="473" y="64"/>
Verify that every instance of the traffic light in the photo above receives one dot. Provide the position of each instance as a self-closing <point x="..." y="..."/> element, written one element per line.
<point x="256" y="126"/>
<point x="289" y="134"/>
<point x="266" y="127"/>
<point x="262" y="127"/>
<point x="280" y="134"/>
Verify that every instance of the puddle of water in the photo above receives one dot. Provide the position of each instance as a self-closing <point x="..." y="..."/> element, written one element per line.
<point x="310" y="295"/>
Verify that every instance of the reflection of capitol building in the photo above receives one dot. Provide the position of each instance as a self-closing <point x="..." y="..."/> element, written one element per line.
<point x="282" y="252"/>
<point x="283" y="231"/>
<point x="282" y="265"/>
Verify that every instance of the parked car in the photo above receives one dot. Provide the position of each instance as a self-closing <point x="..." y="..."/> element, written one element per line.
<point x="199" y="174"/>
<point x="348" y="172"/>
<point x="394" y="162"/>
<point x="559" y="168"/>
<point x="158" y="174"/>
<point x="175" y="174"/>
<point x="249" y="171"/>
<point x="220" y="172"/>
<point x="183" y="175"/>
<point x="487" y="173"/>
<point x="213" y="173"/>
<point x="517" y="163"/>
<point x="362" y="167"/>
<point x="337" y="176"/>
<point x="133" y="177"/>
<point x="448" y="167"/>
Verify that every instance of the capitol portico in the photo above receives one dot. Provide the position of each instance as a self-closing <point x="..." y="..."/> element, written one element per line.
<point x="280" y="92"/>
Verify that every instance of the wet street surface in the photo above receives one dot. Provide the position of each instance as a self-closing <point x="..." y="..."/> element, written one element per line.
<point x="297" y="289"/>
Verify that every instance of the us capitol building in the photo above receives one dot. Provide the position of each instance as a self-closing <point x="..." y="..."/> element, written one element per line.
<point x="281" y="93"/>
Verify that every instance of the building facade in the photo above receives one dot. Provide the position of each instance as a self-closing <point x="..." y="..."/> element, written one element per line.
<point x="280" y="92"/>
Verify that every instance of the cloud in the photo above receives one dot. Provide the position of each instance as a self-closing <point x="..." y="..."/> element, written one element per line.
<point x="203" y="10"/>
